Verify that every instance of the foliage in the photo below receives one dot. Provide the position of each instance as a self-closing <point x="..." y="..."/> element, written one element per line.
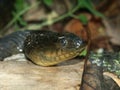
<point x="83" y="19"/>
<point x="83" y="53"/>
<point x="48" y="2"/>
<point x="87" y="4"/>
<point x="21" y="7"/>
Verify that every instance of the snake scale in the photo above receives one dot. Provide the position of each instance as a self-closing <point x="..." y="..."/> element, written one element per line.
<point x="42" y="47"/>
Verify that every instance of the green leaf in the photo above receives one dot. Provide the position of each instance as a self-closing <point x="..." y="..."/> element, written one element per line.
<point x="19" y="5"/>
<point x="83" y="53"/>
<point x="96" y="13"/>
<point x="48" y="2"/>
<point x="83" y="19"/>
<point x="22" y="22"/>
<point x="87" y="4"/>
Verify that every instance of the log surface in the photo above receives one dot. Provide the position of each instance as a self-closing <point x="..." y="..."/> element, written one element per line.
<point x="24" y="75"/>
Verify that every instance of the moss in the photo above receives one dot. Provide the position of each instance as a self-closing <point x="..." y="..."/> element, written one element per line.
<point x="109" y="61"/>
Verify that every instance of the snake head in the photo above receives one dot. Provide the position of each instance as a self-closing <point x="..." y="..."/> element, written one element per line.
<point x="70" y="41"/>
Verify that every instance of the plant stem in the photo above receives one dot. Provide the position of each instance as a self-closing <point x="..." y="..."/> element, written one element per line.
<point x="45" y="23"/>
<point x="19" y="14"/>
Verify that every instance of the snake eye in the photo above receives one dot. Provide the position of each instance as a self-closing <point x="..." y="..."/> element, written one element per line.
<point x="63" y="41"/>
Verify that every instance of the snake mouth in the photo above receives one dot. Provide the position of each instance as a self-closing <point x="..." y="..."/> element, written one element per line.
<point x="50" y="59"/>
<point x="81" y="47"/>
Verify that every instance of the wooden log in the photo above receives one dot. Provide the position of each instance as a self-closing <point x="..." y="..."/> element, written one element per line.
<point x="24" y="75"/>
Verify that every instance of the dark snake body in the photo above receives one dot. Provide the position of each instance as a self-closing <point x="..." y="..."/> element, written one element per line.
<point x="42" y="47"/>
<point x="12" y="43"/>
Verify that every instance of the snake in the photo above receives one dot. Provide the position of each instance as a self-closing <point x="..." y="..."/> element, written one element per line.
<point x="42" y="47"/>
